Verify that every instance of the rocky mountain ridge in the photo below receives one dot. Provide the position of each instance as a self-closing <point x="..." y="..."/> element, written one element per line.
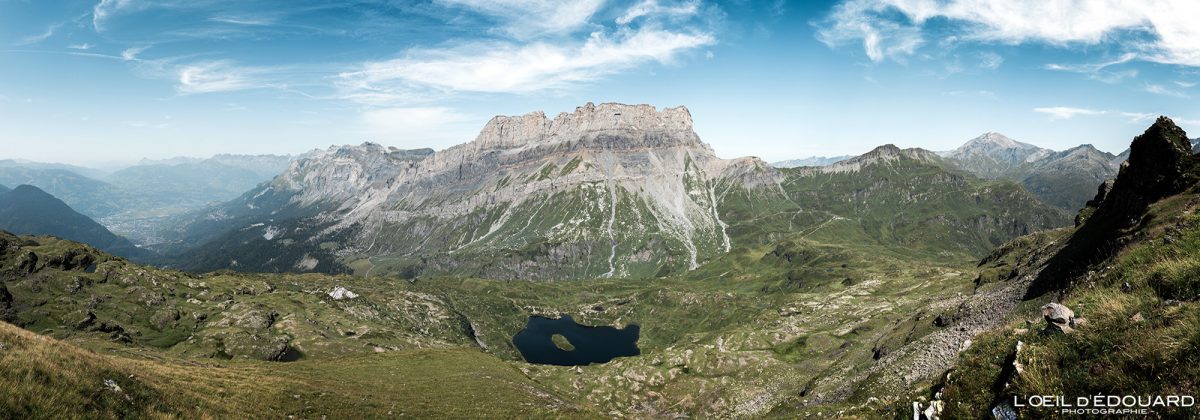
<point x="882" y="154"/>
<point x="1064" y="179"/>
<point x="609" y="187"/>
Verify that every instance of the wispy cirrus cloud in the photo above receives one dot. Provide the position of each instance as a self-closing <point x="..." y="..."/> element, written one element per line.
<point x="224" y="76"/>
<point x="896" y="28"/>
<point x="131" y="54"/>
<point x="1100" y="70"/>
<point x="527" y="18"/>
<point x="1057" y="113"/>
<point x="657" y="9"/>
<point x="33" y="39"/>
<point x="990" y="60"/>
<point x="513" y="68"/>
<point x="1163" y="90"/>
<point x="1066" y="112"/>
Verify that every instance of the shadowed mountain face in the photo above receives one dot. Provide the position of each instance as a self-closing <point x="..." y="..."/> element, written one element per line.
<point x="1065" y="179"/>
<point x="29" y="210"/>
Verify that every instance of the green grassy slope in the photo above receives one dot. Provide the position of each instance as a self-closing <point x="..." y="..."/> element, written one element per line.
<point x="47" y="378"/>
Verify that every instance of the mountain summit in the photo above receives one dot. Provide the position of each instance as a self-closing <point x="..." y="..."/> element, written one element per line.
<point x="994" y="155"/>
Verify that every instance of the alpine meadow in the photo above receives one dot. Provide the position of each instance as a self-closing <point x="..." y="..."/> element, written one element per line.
<point x="641" y="209"/>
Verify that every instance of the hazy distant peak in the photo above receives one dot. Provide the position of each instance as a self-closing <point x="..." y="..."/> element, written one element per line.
<point x="810" y="161"/>
<point x="992" y="140"/>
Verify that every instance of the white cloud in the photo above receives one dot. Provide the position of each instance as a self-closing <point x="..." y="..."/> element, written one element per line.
<point x="131" y="54"/>
<point x="525" y="18"/>
<point x="509" y="68"/>
<point x="1185" y="85"/>
<point x="856" y="20"/>
<point x="103" y="10"/>
<point x="84" y="46"/>
<point x="1066" y="112"/>
<point x="220" y="76"/>
<point x="1165" y="91"/>
<point x="653" y="8"/>
<point x="1170" y="24"/>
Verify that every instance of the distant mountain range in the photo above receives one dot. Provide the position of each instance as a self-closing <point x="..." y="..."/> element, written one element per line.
<point x="90" y="196"/>
<point x="810" y="161"/>
<point x="29" y="210"/>
<point x="1065" y="179"/>
<point x="137" y="200"/>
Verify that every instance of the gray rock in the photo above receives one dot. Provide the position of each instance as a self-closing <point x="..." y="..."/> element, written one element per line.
<point x="1004" y="411"/>
<point x="1058" y="317"/>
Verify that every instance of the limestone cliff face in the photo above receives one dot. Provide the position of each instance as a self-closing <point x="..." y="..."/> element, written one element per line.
<point x="619" y="190"/>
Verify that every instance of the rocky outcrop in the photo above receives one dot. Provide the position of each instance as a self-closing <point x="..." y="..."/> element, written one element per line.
<point x="1160" y="164"/>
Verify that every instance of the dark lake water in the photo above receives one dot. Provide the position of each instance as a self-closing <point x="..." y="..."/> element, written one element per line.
<point x="592" y="344"/>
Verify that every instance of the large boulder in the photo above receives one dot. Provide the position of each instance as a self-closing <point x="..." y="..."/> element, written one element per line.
<point x="1059" y="318"/>
<point x="256" y="346"/>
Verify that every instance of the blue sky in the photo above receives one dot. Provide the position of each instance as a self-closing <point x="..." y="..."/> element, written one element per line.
<point x="96" y="82"/>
